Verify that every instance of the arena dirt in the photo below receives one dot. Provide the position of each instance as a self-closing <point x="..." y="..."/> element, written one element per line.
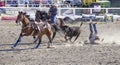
<point x="106" y="52"/>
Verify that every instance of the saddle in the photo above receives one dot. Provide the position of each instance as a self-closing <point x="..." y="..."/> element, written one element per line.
<point x="38" y="26"/>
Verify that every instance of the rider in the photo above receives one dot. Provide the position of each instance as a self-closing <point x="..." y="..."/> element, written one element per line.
<point x="53" y="12"/>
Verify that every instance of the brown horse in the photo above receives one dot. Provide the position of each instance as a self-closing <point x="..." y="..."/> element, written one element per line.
<point x="29" y="28"/>
<point x="42" y="15"/>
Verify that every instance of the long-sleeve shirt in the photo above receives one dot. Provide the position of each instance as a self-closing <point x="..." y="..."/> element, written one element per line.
<point x="53" y="11"/>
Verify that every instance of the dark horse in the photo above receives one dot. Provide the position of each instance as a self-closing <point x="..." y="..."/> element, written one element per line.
<point x="28" y="28"/>
<point x="46" y="18"/>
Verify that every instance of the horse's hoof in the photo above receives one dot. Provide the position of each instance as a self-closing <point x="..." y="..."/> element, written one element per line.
<point x="36" y="47"/>
<point x="13" y="47"/>
<point x="32" y="48"/>
<point x="34" y="37"/>
<point x="48" y="47"/>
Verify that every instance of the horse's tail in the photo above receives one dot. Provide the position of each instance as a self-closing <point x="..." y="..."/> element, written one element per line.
<point x="61" y="22"/>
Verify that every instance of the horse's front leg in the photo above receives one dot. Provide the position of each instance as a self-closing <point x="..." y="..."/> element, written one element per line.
<point x="50" y="40"/>
<point x="35" y="40"/>
<point x="19" y="40"/>
<point x="70" y="38"/>
<point x="54" y="34"/>
<point x="39" y="37"/>
<point x="76" y="37"/>
<point x="38" y="44"/>
<point x="66" y="38"/>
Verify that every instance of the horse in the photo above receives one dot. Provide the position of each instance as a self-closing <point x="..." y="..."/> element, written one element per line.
<point x="29" y="29"/>
<point x="47" y="18"/>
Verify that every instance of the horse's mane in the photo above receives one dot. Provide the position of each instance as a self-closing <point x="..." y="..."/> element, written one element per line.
<point x="40" y="15"/>
<point x="30" y="19"/>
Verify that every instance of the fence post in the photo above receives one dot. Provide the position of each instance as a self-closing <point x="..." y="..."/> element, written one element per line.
<point x="74" y="12"/>
<point x="59" y="10"/>
<point x="106" y="11"/>
<point x="90" y="14"/>
<point x="91" y="10"/>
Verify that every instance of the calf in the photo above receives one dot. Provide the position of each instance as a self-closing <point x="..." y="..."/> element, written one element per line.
<point x="71" y="32"/>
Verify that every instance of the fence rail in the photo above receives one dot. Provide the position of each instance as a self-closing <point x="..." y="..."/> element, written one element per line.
<point x="72" y="13"/>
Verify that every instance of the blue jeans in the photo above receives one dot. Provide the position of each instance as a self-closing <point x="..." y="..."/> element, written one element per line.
<point x="53" y="20"/>
<point x="93" y="27"/>
<point x="93" y="32"/>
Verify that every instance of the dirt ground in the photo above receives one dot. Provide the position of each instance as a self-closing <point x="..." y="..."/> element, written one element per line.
<point x="107" y="52"/>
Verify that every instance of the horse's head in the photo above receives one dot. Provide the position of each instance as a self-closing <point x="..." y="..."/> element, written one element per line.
<point x="20" y="17"/>
<point x="40" y="15"/>
<point x="44" y="14"/>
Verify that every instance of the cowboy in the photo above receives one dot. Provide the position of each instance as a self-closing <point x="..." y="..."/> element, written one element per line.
<point x="52" y="13"/>
<point x="93" y="30"/>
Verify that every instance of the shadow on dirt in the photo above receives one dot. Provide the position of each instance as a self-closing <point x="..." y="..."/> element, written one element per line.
<point x="8" y="50"/>
<point x="18" y="44"/>
<point x="11" y="49"/>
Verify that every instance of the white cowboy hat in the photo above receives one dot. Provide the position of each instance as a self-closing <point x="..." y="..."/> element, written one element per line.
<point x="54" y="4"/>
